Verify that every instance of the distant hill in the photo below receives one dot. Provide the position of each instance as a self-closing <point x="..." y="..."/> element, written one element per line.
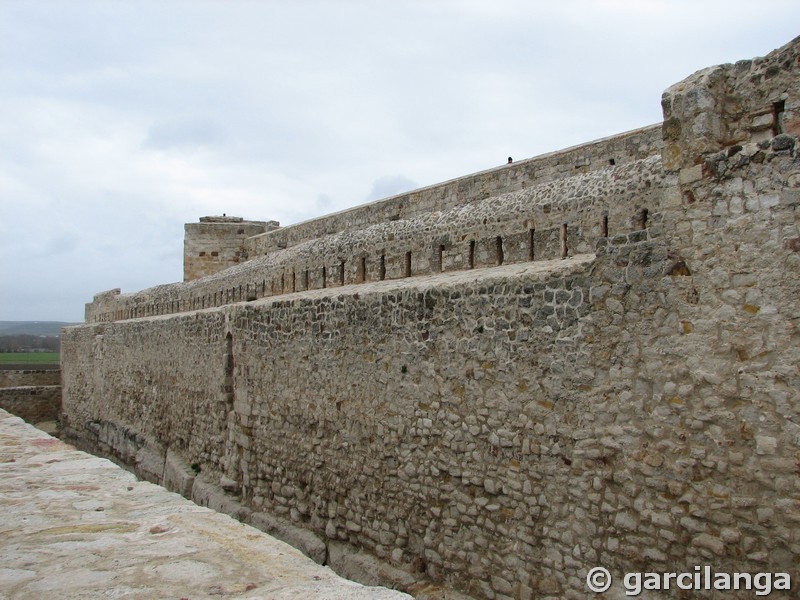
<point x="48" y="328"/>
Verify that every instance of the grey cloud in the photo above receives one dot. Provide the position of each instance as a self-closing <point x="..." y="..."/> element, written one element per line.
<point x="389" y="185"/>
<point x="185" y="133"/>
<point x="59" y="244"/>
<point x="324" y="202"/>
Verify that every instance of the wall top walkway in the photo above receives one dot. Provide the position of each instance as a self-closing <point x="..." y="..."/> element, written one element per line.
<point x="618" y="149"/>
<point x="77" y="526"/>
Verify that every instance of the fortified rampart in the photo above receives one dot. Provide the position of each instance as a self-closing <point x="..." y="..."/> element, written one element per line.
<point x="32" y="394"/>
<point x="514" y="213"/>
<point x="216" y="243"/>
<point x="617" y="386"/>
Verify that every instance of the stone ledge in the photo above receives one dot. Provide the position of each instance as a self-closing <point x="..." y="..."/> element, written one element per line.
<point x="78" y="526"/>
<point x="151" y="462"/>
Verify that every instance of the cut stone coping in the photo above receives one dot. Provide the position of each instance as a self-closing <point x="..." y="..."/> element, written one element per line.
<point x="78" y="526"/>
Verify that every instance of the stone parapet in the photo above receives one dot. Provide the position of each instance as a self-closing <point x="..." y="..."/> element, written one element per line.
<point x="600" y="369"/>
<point x="12" y="378"/>
<point x="562" y="217"/>
<point x="727" y="105"/>
<point x="598" y="155"/>
<point x="504" y="429"/>
<point x="33" y="403"/>
<point x="146" y="542"/>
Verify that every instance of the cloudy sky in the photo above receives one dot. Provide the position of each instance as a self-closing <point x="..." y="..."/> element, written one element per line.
<point x="122" y="120"/>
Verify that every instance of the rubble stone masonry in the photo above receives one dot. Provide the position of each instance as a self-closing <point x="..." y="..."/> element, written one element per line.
<point x="31" y="394"/>
<point x="599" y="368"/>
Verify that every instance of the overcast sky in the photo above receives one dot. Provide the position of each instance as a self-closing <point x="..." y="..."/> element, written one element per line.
<point x="120" y="121"/>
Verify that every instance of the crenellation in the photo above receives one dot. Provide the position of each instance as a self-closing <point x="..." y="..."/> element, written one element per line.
<point x="498" y="383"/>
<point x="622" y="149"/>
<point x="409" y="246"/>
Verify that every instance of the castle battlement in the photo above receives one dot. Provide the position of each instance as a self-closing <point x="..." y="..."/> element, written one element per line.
<point x="516" y="213"/>
<point x="500" y="382"/>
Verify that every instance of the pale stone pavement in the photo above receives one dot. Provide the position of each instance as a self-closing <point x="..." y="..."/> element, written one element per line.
<point x="76" y="526"/>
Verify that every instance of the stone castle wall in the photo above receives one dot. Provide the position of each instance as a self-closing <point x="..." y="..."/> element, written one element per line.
<point x="216" y="243"/>
<point x="34" y="395"/>
<point x="33" y="404"/>
<point x="12" y="377"/>
<point x="563" y="204"/>
<point x="502" y="430"/>
<point x="616" y="150"/>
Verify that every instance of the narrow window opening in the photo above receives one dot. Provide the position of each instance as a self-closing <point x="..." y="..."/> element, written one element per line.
<point x="604" y="226"/>
<point x="440" y="258"/>
<point x="283" y="284"/>
<point x="229" y="366"/>
<point x="229" y="355"/>
<point x="305" y="279"/>
<point x="407" y="265"/>
<point x="471" y="260"/>
<point x="294" y="282"/>
<point x="564" y="248"/>
<point x="499" y="245"/>
<point x="531" y="253"/>
<point x="362" y="269"/>
<point x="382" y="269"/>
<point x="643" y="218"/>
<point x="778" y="109"/>
<point x="324" y="277"/>
<point x="341" y="273"/>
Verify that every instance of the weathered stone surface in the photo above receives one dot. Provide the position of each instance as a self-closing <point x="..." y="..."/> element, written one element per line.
<point x="216" y="243"/>
<point x="76" y="526"/>
<point x="29" y="377"/>
<point x="437" y="386"/>
<point x="349" y="562"/>
<point x="530" y="210"/>
<point x="206" y="492"/>
<point x="33" y="403"/>
<point x="32" y="394"/>
<point x="178" y="476"/>
<point x="302" y="539"/>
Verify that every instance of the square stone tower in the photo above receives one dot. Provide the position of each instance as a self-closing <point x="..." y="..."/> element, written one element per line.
<point x="216" y="243"/>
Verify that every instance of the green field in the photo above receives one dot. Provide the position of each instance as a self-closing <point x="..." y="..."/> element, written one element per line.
<point x="28" y="358"/>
